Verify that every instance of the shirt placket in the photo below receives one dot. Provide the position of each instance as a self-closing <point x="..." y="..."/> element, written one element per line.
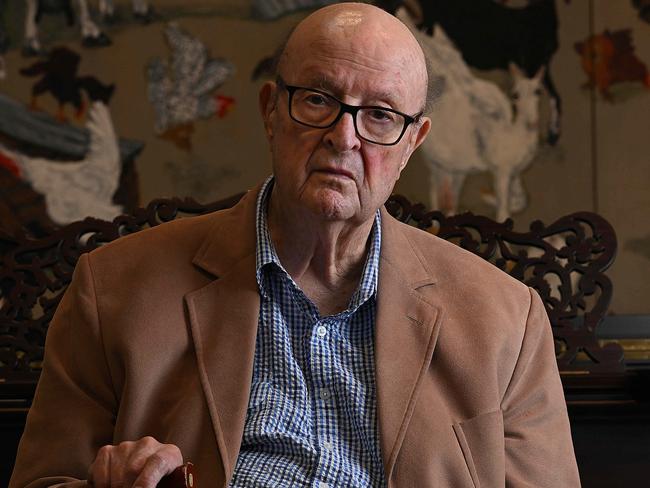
<point x="325" y="400"/>
<point x="324" y="453"/>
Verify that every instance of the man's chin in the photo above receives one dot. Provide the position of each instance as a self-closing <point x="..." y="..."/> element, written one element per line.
<point x="332" y="205"/>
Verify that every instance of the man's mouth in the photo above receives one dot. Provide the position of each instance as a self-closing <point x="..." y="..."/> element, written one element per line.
<point x="336" y="172"/>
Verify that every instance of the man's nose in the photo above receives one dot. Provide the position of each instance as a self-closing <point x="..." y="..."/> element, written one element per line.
<point x="342" y="136"/>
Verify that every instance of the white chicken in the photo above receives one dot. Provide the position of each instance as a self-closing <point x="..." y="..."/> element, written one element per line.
<point x="181" y="89"/>
<point x="74" y="190"/>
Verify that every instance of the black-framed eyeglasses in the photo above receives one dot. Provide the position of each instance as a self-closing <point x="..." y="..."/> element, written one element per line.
<point x="378" y="125"/>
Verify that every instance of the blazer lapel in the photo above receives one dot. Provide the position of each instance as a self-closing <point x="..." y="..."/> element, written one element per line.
<point x="405" y="336"/>
<point x="223" y="317"/>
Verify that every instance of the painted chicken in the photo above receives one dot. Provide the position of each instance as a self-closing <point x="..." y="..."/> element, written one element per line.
<point x="181" y="89"/>
<point x="608" y="59"/>
<point x="58" y="75"/>
<point x="74" y="190"/>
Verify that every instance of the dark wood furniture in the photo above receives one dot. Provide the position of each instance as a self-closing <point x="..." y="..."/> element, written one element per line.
<point x="565" y="262"/>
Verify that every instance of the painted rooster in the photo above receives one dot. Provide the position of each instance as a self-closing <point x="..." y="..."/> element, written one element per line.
<point x="76" y="189"/>
<point x="609" y="58"/>
<point x="57" y="75"/>
<point x="182" y="88"/>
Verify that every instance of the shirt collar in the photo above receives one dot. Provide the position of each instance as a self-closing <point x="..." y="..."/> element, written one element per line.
<point x="264" y="250"/>
<point x="266" y="256"/>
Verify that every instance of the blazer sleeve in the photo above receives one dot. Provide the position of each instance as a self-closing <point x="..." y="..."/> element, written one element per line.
<point x="74" y="407"/>
<point x="538" y="446"/>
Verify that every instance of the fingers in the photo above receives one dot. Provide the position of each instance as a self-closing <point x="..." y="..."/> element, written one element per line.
<point x="99" y="473"/>
<point x="142" y="463"/>
<point x="162" y="463"/>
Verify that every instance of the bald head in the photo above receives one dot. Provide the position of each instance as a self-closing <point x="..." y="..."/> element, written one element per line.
<point x="345" y="114"/>
<point x="364" y="35"/>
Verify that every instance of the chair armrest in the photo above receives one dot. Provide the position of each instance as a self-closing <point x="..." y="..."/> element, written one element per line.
<point x="181" y="477"/>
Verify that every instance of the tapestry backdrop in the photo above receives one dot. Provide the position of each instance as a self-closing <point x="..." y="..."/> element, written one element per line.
<point x="542" y="109"/>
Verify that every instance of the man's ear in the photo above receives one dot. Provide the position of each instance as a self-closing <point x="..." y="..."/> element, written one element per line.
<point x="421" y="134"/>
<point x="415" y="139"/>
<point x="267" y="101"/>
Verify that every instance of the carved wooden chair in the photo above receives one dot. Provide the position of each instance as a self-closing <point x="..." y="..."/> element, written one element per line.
<point x="564" y="262"/>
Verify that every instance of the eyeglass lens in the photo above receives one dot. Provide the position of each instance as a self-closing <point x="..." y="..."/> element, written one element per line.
<point x="319" y="110"/>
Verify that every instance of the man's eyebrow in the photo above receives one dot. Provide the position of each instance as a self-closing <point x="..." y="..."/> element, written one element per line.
<point x="326" y="84"/>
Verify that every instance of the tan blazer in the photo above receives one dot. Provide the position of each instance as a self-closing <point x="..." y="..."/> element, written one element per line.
<point x="156" y="336"/>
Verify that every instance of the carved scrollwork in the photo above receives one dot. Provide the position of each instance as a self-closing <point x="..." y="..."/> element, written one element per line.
<point x="34" y="273"/>
<point x="564" y="262"/>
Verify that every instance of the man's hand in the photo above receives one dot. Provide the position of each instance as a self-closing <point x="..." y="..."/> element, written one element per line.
<point x="141" y="463"/>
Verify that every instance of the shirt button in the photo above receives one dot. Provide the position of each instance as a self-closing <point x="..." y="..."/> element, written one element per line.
<point x="327" y="445"/>
<point x="321" y="331"/>
<point x="325" y="394"/>
<point x="322" y="484"/>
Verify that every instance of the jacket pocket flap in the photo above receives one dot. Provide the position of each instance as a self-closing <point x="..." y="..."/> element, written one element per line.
<point x="481" y="439"/>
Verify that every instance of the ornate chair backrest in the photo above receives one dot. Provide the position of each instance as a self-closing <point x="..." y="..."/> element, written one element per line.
<point x="564" y="262"/>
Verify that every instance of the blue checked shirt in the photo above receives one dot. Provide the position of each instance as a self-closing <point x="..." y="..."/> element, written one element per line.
<point x="312" y="413"/>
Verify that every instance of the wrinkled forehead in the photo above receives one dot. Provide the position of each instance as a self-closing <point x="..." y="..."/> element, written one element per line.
<point x="346" y="71"/>
<point x="348" y="50"/>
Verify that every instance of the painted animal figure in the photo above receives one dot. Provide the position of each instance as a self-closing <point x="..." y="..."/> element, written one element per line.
<point x="74" y="190"/>
<point x="141" y="9"/>
<point x="492" y="36"/>
<point x="92" y="36"/>
<point x="475" y="127"/>
<point x="57" y="75"/>
<point x="182" y="88"/>
<point x="609" y="58"/>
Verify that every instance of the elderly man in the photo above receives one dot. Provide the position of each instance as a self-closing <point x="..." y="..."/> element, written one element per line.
<point x="304" y="337"/>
